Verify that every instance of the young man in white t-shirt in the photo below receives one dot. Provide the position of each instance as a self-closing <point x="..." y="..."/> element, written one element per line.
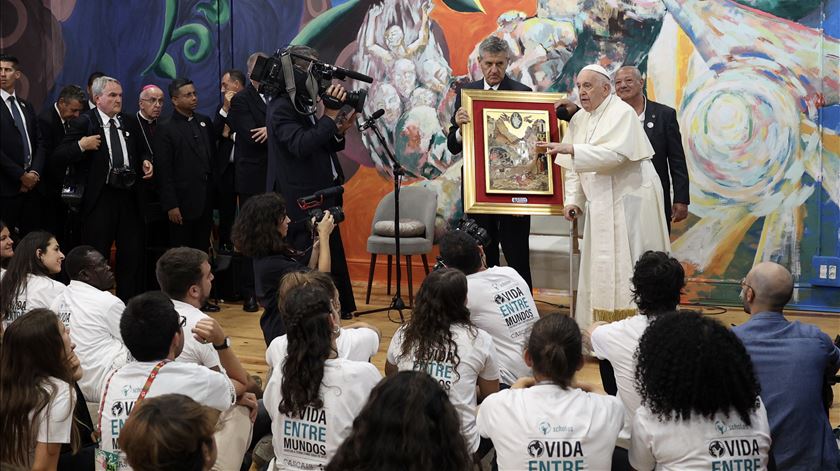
<point x="153" y="332"/>
<point x="184" y="274"/>
<point x="499" y="301"/>
<point x="93" y="315"/>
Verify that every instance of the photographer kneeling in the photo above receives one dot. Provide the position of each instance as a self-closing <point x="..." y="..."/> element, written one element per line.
<point x="260" y="232"/>
<point x="302" y="158"/>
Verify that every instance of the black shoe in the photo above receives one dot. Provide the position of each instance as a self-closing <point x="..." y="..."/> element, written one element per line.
<point x="210" y="307"/>
<point x="251" y="305"/>
<point x="346" y="315"/>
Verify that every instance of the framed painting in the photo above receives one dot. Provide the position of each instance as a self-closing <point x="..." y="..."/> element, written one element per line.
<point x="504" y="170"/>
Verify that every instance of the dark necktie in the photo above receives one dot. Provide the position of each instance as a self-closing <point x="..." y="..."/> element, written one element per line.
<point x="117" y="158"/>
<point x="27" y="152"/>
<point x="66" y="126"/>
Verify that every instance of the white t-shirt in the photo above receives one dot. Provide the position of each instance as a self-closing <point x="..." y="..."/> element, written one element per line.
<point x="38" y="292"/>
<point x="501" y="304"/>
<point x="203" y="385"/>
<point x="353" y="344"/>
<point x="309" y="441"/>
<point x="55" y="421"/>
<point x="94" y="317"/>
<point x="618" y="342"/>
<point x="546" y="427"/>
<point x="194" y="351"/>
<point x="478" y="360"/>
<point x="699" y="443"/>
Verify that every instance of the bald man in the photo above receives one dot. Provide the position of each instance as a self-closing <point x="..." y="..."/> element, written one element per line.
<point x="792" y="361"/>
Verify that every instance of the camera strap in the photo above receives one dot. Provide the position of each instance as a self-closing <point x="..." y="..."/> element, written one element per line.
<point x="291" y="88"/>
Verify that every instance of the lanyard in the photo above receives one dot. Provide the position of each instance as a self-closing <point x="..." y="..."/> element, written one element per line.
<point x="152" y="375"/>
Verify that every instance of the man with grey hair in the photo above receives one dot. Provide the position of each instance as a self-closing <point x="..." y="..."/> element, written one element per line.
<point x="512" y="232"/>
<point x="608" y="172"/>
<point x="110" y="159"/>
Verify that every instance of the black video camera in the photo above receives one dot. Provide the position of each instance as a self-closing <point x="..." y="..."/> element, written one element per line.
<point x="471" y="228"/>
<point x="312" y="204"/>
<point x="276" y="71"/>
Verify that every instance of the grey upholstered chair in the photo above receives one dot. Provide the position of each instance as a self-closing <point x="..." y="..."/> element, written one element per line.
<point x="417" y="204"/>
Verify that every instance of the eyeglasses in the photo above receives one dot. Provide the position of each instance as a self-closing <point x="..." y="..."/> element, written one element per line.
<point x="183" y="321"/>
<point x="744" y="284"/>
<point x="153" y="101"/>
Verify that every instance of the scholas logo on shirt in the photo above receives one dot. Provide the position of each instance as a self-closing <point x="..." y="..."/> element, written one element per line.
<point x="565" y="455"/>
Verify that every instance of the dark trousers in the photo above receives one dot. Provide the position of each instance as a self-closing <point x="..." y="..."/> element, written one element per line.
<point x="225" y="201"/>
<point x="54" y="215"/>
<point x="247" y="281"/>
<point x="194" y="232"/>
<point x="512" y="232"/>
<point x="116" y="218"/>
<point x="22" y="213"/>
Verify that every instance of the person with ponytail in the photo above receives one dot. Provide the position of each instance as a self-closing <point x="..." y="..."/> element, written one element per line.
<point x="440" y="340"/>
<point x="26" y="283"/>
<point x="314" y="395"/>
<point x="38" y="370"/>
<point x="546" y="422"/>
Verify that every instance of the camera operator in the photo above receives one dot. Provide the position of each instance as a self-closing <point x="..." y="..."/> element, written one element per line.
<point x="302" y="160"/>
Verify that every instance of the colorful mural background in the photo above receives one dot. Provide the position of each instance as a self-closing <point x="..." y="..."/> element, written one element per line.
<point x="755" y="83"/>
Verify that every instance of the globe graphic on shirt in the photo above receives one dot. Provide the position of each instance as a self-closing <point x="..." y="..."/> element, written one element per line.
<point x="536" y="449"/>
<point x="716" y="449"/>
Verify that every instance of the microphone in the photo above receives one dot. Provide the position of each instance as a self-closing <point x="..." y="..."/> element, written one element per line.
<point x="341" y="72"/>
<point x="371" y="120"/>
<point x="316" y="199"/>
<point x="331" y="191"/>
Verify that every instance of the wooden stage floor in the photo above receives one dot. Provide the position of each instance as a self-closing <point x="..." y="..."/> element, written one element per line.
<point x="244" y="330"/>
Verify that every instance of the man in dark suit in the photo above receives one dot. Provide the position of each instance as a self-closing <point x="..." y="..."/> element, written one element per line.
<point x="185" y="157"/>
<point x="302" y="160"/>
<point x="512" y="232"/>
<point x="225" y="193"/>
<point x="109" y="159"/>
<point x="53" y="123"/>
<point x="663" y="131"/>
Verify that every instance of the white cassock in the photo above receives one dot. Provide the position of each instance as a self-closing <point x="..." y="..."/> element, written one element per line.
<point x="612" y="179"/>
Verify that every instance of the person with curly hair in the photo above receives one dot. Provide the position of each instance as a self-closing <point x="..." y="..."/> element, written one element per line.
<point x="27" y="284"/>
<point x="260" y="233"/>
<point x="408" y="424"/>
<point x="590" y="422"/>
<point x="701" y="408"/>
<point x="441" y="340"/>
<point x="171" y="432"/>
<point x="314" y="397"/>
<point x="38" y="370"/>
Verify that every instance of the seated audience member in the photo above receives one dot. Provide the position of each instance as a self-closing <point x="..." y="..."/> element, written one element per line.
<point x="260" y="232"/>
<point x="441" y="340"/>
<point x="590" y="422"/>
<point x="27" y="284"/>
<point x="153" y="332"/>
<point x="37" y="372"/>
<point x="93" y="314"/>
<point x="499" y="301"/>
<point x="792" y="361"/>
<point x="7" y="247"/>
<point x="184" y="275"/>
<point x="358" y="341"/>
<point x="170" y="433"/>
<point x="700" y="404"/>
<point x="408" y="424"/>
<point x="315" y="395"/>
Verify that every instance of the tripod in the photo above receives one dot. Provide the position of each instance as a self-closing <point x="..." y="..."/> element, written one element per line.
<point x="397" y="302"/>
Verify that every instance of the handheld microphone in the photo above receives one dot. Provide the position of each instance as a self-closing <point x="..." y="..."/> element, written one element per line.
<point x="369" y="122"/>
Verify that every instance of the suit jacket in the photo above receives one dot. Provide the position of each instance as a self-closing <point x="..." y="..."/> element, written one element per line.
<point x="93" y="166"/>
<point x="248" y="111"/>
<point x="663" y="131"/>
<point x="184" y="173"/>
<point x="301" y="153"/>
<point x="225" y="143"/>
<point x="52" y="133"/>
<point x="11" y="148"/>
<point x="507" y="83"/>
<point x="149" y="198"/>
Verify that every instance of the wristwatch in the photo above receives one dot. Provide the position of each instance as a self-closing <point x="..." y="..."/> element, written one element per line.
<point x="224" y="345"/>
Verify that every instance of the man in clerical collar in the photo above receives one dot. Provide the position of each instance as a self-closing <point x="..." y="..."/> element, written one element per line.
<point x="609" y="176"/>
<point x="151" y="105"/>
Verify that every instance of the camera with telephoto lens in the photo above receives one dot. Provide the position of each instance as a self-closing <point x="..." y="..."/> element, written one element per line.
<point x="471" y="228"/>
<point x="122" y="178"/>
<point x="313" y="204"/>
<point x="318" y="213"/>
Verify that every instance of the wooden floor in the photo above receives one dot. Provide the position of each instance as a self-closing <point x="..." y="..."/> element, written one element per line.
<point x="246" y="336"/>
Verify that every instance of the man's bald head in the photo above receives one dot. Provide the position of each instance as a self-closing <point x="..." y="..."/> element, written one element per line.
<point x="151" y="102"/>
<point x="772" y="285"/>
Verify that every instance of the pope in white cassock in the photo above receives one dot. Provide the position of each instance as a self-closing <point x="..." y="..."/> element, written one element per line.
<point x="606" y="158"/>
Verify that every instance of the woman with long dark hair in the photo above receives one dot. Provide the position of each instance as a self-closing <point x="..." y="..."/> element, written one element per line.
<point x="700" y="404"/>
<point x="37" y="372"/>
<point x="27" y="284"/>
<point x="582" y="426"/>
<point x="260" y="233"/>
<point x="315" y="395"/>
<point x="171" y="432"/>
<point x="440" y="340"/>
<point x="7" y="247"/>
<point x="407" y="424"/>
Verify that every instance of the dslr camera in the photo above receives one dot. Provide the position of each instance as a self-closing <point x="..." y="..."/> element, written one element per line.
<point x="122" y="178"/>
<point x="313" y="204"/>
<point x="471" y="228"/>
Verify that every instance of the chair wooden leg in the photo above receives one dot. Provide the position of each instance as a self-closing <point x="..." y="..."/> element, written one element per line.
<point x="425" y="263"/>
<point x="370" y="276"/>
<point x="390" y="259"/>
<point x="408" y="269"/>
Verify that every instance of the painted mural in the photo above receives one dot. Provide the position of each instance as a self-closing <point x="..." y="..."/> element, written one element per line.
<point x="755" y="83"/>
